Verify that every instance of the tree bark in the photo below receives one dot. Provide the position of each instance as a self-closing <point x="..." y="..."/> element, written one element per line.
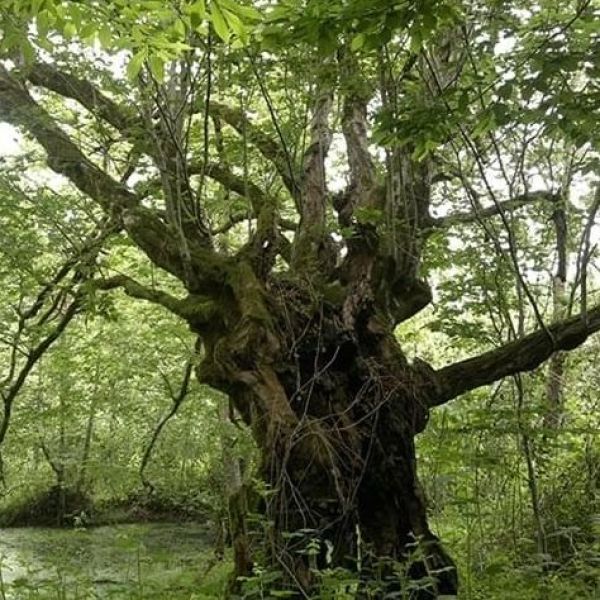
<point x="334" y="414"/>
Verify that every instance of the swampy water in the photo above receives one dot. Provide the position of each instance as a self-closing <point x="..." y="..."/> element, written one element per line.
<point x="122" y="561"/>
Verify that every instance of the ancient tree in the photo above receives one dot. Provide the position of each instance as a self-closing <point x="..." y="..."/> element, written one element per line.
<point x="294" y="291"/>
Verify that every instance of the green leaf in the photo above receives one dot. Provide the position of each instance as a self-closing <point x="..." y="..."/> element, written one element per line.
<point x="105" y="37"/>
<point x="157" y="67"/>
<point x="88" y="32"/>
<point x="44" y="43"/>
<point x="416" y="41"/>
<point x="199" y="9"/>
<point x="36" y="5"/>
<point x="197" y="12"/>
<point x="463" y="102"/>
<point x="485" y="125"/>
<point x="179" y="28"/>
<point x="219" y="23"/>
<point x="248" y="13"/>
<point x="28" y="52"/>
<point x="505" y="91"/>
<point x="236" y="25"/>
<point x="358" y="41"/>
<point x="135" y="64"/>
<point x="70" y="31"/>
<point x="43" y="23"/>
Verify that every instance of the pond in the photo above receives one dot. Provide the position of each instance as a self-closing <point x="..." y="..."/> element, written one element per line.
<point x="122" y="561"/>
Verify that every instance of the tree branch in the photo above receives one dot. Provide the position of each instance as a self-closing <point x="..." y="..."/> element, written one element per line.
<point x="313" y="204"/>
<point x="136" y="290"/>
<point x="32" y="318"/>
<point x="9" y="395"/>
<point x="524" y="354"/>
<point x="354" y="127"/>
<point x="88" y="95"/>
<point x="122" y="118"/>
<point x="266" y="145"/>
<point x="64" y="157"/>
<point x="491" y="211"/>
<point x="231" y="181"/>
<point x="237" y="218"/>
<point x="191" y="308"/>
<point x="177" y="400"/>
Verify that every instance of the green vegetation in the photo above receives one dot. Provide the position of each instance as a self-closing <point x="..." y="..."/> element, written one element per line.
<point x="298" y="299"/>
<point x="135" y="561"/>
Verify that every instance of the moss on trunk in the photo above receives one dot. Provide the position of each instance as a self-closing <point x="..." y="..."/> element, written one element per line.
<point x="334" y="412"/>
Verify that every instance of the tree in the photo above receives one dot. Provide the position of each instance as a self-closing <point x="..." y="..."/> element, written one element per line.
<point x="210" y="155"/>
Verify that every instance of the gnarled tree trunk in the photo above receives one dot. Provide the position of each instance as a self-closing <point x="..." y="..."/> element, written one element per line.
<point x="334" y="413"/>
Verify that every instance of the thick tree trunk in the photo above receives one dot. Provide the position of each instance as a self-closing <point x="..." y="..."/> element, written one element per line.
<point x="349" y="484"/>
<point x="334" y="413"/>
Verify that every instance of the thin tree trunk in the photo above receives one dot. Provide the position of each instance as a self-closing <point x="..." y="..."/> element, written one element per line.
<point x="532" y="481"/>
<point x="235" y="497"/>
<point x="58" y="468"/>
<point x="87" y="445"/>
<point x="554" y="380"/>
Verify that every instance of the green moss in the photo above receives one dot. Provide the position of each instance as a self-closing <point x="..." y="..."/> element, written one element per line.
<point x="249" y="293"/>
<point x="334" y="293"/>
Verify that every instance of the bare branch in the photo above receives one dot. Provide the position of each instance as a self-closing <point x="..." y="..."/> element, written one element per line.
<point x="585" y="253"/>
<point x="555" y="376"/>
<point x="177" y="400"/>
